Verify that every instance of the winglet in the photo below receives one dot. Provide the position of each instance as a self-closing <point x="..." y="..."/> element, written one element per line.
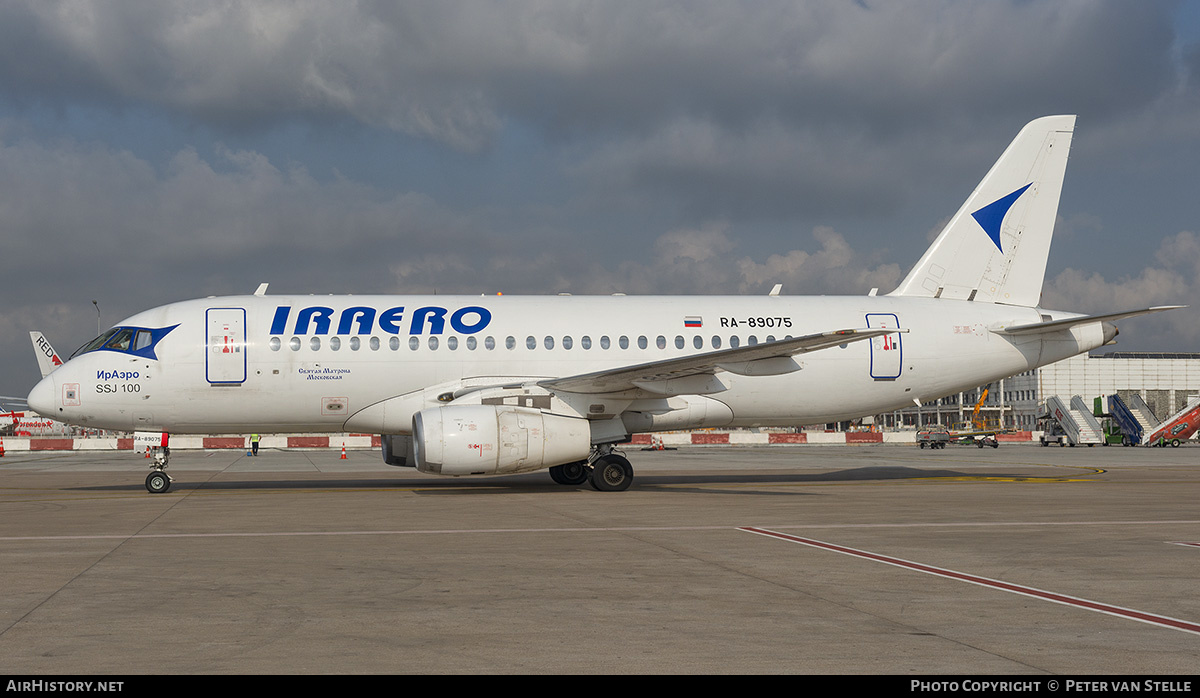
<point x="47" y="358"/>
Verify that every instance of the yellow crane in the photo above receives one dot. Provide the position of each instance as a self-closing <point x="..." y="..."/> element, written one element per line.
<point x="977" y="430"/>
<point x="976" y="420"/>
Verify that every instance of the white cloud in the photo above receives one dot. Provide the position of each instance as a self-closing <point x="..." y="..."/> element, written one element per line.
<point x="455" y="72"/>
<point x="1176" y="282"/>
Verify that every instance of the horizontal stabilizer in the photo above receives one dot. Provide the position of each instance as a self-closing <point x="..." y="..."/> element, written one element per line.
<point x="657" y="373"/>
<point x="1056" y="325"/>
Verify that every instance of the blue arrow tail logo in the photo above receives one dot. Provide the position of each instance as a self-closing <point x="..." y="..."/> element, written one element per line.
<point x="990" y="217"/>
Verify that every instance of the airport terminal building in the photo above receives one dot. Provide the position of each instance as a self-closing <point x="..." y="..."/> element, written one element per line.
<point x="1166" y="381"/>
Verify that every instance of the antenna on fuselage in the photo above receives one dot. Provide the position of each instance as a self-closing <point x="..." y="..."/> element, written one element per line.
<point x="262" y="289"/>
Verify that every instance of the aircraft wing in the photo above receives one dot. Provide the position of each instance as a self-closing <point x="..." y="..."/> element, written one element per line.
<point x="695" y="374"/>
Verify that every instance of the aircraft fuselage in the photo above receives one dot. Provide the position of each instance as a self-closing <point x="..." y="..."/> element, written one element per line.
<point x="315" y="363"/>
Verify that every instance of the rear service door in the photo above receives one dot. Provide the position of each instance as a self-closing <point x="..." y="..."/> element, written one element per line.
<point x="886" y="352"/>
<point x="225" y="354"/>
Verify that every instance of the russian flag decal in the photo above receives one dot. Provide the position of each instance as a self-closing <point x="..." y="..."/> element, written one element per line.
<point x="693" y="321"/>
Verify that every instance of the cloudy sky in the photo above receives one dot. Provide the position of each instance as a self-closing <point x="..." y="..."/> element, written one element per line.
<point x="158" y="150"/>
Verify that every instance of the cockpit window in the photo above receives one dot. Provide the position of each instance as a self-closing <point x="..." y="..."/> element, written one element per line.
<point x="142" y="339"/>
<point x="95" y="343"/>
<point x="120" y="342"/>
<point x="138" y="341"/>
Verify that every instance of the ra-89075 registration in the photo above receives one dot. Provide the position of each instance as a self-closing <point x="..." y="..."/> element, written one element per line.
<point x="756" y="322"/>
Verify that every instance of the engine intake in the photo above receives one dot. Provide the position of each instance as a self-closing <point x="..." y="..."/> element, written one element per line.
<point x="496" y="440"/>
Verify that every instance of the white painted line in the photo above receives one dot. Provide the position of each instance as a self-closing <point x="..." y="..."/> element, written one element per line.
<point x="411" y="532"/>
<point x="1118" y="611"/>
<point x="581" y="529"/>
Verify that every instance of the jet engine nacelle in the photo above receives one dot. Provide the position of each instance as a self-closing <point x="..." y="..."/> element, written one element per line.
<point x="496" y="440"/>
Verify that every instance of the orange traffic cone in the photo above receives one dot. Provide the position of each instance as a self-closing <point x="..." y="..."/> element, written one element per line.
<point x="147" y="451"/>
<point x="343" y="451"/>
<point x="1" y="447"/>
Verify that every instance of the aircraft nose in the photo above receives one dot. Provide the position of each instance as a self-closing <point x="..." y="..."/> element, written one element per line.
<point x="41" y="398"/>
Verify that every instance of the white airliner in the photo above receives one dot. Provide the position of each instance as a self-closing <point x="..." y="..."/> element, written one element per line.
<point x="491" y="385"/>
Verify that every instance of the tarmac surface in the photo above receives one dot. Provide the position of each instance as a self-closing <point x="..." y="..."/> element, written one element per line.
<point x="881" y="559"/>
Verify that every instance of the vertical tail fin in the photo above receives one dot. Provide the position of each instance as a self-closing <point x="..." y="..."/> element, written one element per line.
<point x="47" y="358"/>
<point x="994" y="250"/>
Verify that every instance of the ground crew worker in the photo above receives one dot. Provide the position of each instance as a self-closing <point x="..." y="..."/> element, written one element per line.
<point x="254" y="444"/>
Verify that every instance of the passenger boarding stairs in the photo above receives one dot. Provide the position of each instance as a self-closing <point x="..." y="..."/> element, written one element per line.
<point x="1076" y="420"/>
<point x="1133" y="416"/>
<point x="1177" y="427"/>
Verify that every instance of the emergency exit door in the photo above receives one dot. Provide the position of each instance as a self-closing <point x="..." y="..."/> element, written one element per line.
<point x="886" y="351"/>
<point x="225" y="353"/>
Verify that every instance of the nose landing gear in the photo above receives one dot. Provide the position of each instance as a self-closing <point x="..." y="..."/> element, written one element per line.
<point x="158" y="481"/>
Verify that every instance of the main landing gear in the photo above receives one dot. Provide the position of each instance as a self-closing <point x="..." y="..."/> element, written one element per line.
<point x="606" y="470"/>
